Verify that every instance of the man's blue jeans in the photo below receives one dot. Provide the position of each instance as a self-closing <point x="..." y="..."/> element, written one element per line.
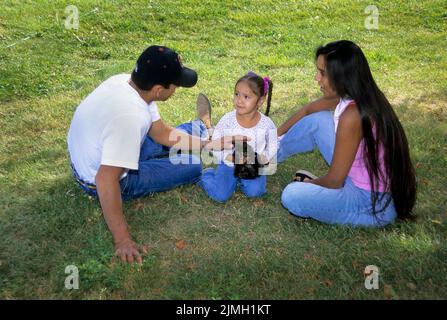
<point x="158" y="170"/>
<point x="348" y="205"/>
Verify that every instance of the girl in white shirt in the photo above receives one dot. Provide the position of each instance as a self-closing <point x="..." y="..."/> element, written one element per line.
<point x="250" y="93"/>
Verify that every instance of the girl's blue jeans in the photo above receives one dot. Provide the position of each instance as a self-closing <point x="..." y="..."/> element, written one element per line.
<point x="220" y="183"/>
<point x="348" y="205"/>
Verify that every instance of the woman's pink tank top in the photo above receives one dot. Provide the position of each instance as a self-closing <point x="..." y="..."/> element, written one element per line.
<point x="358" y="172"/>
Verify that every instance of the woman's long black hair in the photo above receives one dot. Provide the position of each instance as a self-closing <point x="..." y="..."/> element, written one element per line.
<point x="350" y="76"/>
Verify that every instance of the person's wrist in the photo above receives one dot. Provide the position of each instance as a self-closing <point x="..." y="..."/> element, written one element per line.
<point x="204" y="143"/>
<point x="119" y="240"/>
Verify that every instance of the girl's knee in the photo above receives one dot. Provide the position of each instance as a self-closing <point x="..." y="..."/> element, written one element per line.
<point x="216" y="190"/>
<point x="254" y="188"/>
<point x="220" y="196"/>
<point x="254" y="192"/>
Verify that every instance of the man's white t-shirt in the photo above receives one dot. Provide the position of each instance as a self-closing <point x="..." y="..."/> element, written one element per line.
<point x="109" y="127"/>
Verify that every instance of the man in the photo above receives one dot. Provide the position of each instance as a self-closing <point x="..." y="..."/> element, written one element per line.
<point x="117" y="136"/>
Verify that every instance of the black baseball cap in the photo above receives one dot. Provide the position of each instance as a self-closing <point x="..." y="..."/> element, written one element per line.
<point x="161" y="65"/>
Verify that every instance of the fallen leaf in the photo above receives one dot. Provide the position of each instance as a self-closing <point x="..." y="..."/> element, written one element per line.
<point x="387" y="292"/>
<point x="411" y="285"/>
<point x="183" y="199"/>
<point x="258" y="203"/>
<point x="138" y="206"/>
<point x="180" y="244"/>
<point x="327" y="283"/>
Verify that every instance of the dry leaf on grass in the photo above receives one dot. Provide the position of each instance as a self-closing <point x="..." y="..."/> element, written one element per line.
<point x="387" y="291"/>
<point x="327" y="283"/>
<point x="180" y="244"/>
<point x="138" y="206"/>
<point x="183" y="198"/>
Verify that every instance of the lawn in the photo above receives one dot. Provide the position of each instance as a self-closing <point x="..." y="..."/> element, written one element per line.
<point x="199" y="249"/>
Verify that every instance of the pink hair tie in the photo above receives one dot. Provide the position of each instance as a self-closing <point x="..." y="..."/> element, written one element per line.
<point x="266" y="85"/>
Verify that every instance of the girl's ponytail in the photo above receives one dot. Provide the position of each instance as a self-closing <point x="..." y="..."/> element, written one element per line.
<point x="269" y="94"/>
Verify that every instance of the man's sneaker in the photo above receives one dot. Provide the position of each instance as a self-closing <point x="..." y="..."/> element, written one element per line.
<point x="300" y="175"/>
<point x="204" y="110"/>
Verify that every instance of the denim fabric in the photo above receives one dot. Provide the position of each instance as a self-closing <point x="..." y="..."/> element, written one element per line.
<point x="348" y="205"/>
<point x="157" y="171"/>
<point x="88" y="188"/>
<point x="220" y="183"/>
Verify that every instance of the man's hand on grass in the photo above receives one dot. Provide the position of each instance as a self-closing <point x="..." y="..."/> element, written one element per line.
<point x="130" y="252"/>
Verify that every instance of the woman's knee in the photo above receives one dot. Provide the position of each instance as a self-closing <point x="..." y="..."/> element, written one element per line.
<point x="288" y="196"/>
<point x="295" y="196"/>
<point x="321" y="116"/>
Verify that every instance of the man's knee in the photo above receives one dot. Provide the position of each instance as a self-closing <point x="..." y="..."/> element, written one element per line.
<point x="194" y="170"/>
<point x="192" y="167"/>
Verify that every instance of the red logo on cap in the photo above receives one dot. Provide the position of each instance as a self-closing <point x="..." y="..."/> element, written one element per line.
<point x="179" y="58"/>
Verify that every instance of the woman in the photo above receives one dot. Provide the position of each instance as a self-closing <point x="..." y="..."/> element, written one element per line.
<point x="371" y="180"/>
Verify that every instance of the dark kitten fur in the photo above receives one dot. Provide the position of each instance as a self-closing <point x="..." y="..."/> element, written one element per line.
<point x="246" y="164"/>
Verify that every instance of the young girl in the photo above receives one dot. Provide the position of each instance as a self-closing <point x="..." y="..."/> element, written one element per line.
<point x="250" y="92"/>
<point x="371" y="179"/>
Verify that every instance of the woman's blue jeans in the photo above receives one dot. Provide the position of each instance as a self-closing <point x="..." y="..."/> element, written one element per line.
<point x="348" y="205"/>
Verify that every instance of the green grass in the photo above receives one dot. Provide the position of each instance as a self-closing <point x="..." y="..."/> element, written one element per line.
<point x="243" y="249"/>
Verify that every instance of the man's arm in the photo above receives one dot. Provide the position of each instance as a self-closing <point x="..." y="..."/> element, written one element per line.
<point x="109" y="193"/>
<point x="315" y="106"/>
<point x="169" y="136"/>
